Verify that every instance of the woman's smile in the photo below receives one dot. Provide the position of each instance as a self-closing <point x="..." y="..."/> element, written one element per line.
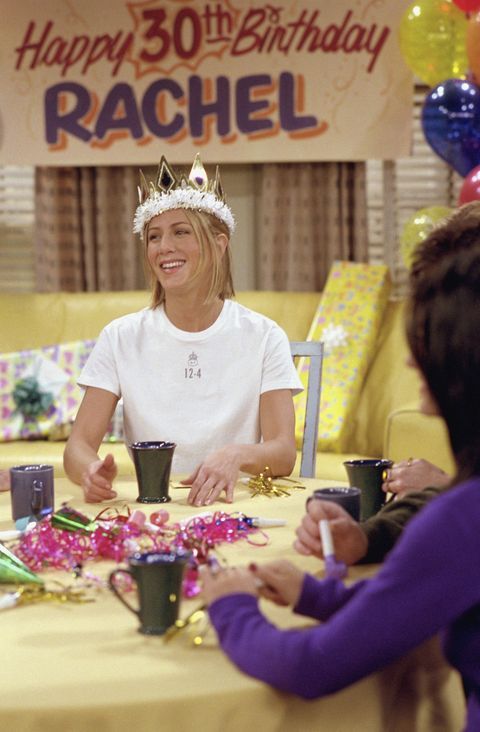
<point x="172" y="248"/>
<point x="172" y="265"/>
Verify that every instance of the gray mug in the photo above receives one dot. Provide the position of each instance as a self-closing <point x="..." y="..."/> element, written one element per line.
<point x="32" y="492"/>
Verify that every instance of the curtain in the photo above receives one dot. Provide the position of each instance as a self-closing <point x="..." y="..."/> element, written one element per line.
<point x="83" y="229"/>
<point x="310" y="215"/>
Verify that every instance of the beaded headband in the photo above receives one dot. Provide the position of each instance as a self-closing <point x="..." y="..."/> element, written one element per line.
<point x="170" y="191"/>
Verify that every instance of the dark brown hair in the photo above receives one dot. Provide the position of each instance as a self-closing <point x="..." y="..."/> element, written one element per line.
<point x="460" y="231"/>
<point x="443" y="331"/>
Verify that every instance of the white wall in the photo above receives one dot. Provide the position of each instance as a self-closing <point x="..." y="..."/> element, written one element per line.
<point x="241" y="183"/>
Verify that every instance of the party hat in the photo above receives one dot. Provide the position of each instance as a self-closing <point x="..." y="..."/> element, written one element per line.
<point x="14" y="571"/>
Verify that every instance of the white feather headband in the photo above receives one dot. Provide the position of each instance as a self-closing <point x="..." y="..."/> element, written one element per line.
<point x="169" y="192"/>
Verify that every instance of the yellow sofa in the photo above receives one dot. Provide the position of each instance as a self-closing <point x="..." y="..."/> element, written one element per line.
<point x="386" y="421"/>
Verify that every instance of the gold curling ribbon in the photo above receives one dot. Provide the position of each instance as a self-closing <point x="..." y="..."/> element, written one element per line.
<point x="196" y="624"/>
<point x="29" y="594"/>
<point x="263" y="485"/>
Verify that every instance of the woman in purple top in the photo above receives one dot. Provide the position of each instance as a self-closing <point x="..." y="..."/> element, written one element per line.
<point x="430" y="581"/>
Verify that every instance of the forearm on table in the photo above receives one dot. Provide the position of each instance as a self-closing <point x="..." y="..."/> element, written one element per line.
<point x="320" y="599"/>
<point x="297" y="661"/>
<point x="278" y="455"/>
<point x="384" y="529"/>
<point x="77" y="457"/>
<point x="322" y="659"/>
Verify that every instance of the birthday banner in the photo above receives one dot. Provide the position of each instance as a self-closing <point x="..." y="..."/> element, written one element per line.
<point x="97" y="82"/>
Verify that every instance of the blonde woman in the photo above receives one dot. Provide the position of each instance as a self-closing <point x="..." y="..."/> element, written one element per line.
<point x="196" y="368"/>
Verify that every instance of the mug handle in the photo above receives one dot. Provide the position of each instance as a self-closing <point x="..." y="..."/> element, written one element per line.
<point x="37" y="497"/>
<point x="113" y="587"/>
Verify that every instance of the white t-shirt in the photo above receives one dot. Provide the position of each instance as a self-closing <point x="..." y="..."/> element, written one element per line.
<point x="199" y="390"/>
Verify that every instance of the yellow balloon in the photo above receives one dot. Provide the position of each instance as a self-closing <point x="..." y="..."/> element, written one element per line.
<point x="418" y="227"/>
<point x="433" y="40"/>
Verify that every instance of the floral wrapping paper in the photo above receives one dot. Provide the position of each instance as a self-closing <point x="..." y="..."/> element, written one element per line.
<point x="348" y="319"/>
<point x="57" y="369"/>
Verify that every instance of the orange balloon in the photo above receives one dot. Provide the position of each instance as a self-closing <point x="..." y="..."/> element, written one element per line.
<point x="473" y="46"/>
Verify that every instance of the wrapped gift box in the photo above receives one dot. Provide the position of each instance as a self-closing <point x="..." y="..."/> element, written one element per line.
<point x="347" y="321"/>
<point x="55" y="369"/>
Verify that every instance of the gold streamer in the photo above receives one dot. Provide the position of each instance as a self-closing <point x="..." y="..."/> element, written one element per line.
<point x="29" y="594"/>
<point x="197" y="622"/>
<point x="264" y="485"/>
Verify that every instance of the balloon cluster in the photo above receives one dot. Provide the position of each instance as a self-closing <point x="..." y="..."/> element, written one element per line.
<point x="440" y="42"/>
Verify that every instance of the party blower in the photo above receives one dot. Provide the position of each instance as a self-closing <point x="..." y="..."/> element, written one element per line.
<point x="14" y="571"/>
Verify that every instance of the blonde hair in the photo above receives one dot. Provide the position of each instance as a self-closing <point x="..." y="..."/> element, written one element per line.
<point x="206" y="228"/>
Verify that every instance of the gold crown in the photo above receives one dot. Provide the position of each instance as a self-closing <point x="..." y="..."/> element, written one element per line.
<point x="169" y="191"/>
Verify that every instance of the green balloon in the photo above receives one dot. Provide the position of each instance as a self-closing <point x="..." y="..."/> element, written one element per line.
<point x="418" y="227"/>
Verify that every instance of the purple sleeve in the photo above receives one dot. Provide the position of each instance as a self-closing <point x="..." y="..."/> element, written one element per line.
<point x="425" y="584"/>
<point x="321" y="598"/>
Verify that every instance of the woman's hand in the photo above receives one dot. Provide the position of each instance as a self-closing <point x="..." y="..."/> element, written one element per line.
<point x="413" y="475"/>
<point x="80" y="458"/>
<point x="97" y="480"/>
<point x="349" y="539"/>
<point x="218" y="473"/>
<point x="280" y="581"/>
<point x="220" y="582"/>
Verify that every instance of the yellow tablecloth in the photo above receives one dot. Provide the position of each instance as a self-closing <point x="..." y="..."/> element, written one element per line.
<point x="71" y="668"/>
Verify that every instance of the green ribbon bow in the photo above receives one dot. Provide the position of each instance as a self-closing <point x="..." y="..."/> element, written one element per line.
<point x="29" y="399"/>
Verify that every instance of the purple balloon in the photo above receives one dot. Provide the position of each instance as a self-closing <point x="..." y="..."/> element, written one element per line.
<point x="451" y="123"/>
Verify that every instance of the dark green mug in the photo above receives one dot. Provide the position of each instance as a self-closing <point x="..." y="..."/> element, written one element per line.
<point x="368" y="475"/>
<point x="347" y="498"/>
<point x="153" y="463"/>
<point x="158" y="577"/>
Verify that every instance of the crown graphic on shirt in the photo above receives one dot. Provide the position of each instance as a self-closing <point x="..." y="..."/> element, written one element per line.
<point x="170" y="190"/>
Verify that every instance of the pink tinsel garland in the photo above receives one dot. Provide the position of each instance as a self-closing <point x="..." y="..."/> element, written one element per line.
<point x="118" y="537"/>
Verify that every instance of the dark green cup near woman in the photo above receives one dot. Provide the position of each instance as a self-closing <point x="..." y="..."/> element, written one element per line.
<point x="347" y="498"/>
<point x="368" y="475"/>
<point x="153" y="463"/>
<point x="158" y="577"/>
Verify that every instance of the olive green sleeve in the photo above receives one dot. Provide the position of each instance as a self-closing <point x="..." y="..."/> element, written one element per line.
<point x="385" y="527"/>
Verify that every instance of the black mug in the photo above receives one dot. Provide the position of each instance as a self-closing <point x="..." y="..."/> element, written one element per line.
<point x="158" y="577"/>
<point x="153" y="463"/>
<point x="348" y="498"/>
<point x="32" y="491"/>
<point x="368" y="475"/>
